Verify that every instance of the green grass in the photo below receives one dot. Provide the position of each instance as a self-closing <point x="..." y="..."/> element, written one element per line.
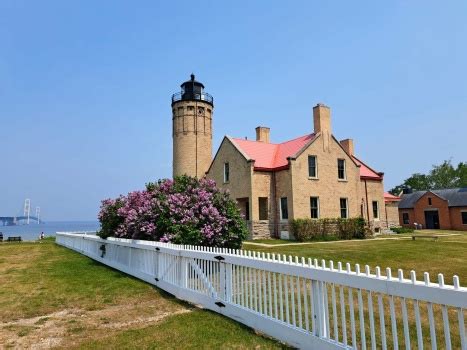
<point x="447" y="255"/>
<point x="271" y="241"/>
<point x="42" y="278"/>
<point x="48" y="290"/>
<point x="196" y="330"/>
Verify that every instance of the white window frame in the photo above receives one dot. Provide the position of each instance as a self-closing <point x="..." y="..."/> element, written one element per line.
<point x="346" y="208"/>
<point x="377" y="210"/>
<point x="316" y="166"/>
<point x="280" y="209"/>
<point x="226" y="178"/>
<point x="319" y="213"/>
<point x="345" y="170"/>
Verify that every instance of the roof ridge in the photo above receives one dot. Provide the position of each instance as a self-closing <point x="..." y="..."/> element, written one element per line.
<point x="294" y="139"/>
<point x="273" y="143"/>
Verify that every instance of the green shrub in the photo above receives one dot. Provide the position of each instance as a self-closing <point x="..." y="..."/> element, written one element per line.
<point x="402" y="229"/>
<point x="328" y="229"/>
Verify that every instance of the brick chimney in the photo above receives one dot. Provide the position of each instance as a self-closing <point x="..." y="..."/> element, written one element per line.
<point x="322" y="118"/>
<point x="347" y="144"/>
<point x="322" y="124"/>
<point x="262" y="134"/>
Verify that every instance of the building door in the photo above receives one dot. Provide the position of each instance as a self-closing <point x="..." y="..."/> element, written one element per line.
<point x="431" y="219"/>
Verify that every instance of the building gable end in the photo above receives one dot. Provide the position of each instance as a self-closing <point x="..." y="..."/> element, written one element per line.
<point x="229" y="139"/>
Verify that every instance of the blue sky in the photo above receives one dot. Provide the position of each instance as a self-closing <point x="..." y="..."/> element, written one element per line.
<point x="85" y="86"/>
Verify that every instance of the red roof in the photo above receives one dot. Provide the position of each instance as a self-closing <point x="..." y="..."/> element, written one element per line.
<point x="270" y="156"/>
<point x="390" y="197"/>
<point x="366" y="172"/>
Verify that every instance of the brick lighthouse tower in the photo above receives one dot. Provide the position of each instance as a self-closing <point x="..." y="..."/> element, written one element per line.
<point x="192" y="110"/>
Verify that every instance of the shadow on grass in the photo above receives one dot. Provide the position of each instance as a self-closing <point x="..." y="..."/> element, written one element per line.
<point x="119" y="274"/>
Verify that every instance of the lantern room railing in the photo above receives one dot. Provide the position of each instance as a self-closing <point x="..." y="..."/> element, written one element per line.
<point x="192" y="96"/>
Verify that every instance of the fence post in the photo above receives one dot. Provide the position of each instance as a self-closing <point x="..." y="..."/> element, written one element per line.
<point x="228" y="282"/>
<point x="222" y="293"/>
<point x="158" y="263"/>
<point x="183" y="271"/>
<point x="319" y="308"/>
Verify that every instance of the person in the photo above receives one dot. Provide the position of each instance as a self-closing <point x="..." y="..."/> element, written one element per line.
<point x="42" y="236"/>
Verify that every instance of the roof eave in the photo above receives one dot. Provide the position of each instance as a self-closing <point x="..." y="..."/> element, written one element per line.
<point x="284" y="167"/>
<point x="371" y="178"/>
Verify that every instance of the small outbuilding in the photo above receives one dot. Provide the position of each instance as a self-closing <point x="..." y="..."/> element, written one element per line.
<point x="391" y="210"/>
<point x="435" y="209"/>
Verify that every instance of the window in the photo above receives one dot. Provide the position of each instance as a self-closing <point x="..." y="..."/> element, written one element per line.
<point x="263" y="208"/>
<point x="344" y="208"/>
<point x="464" y="217"/>
<point x="314" y="207"/>
<point x="312" y="169"/>
<point x="429" y="200"/>
<point x="405" y="218"/>
<point x="341" y="169"/>
<point x="284" y="211"/>
<point x="375" y="210"/>
<point x="226" y="172"/>
<point x="247" y="210"/>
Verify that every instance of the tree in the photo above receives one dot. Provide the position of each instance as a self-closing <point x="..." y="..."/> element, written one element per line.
<point x="441" y="176"/>
<point x="417" y="182"/>
<point x="444" y="176"/>
<point x="462" y="173"/>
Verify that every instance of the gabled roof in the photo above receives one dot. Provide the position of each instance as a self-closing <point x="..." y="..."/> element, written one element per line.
<point x="366" y="172"/>
<point x="456" y="197"/>
<point x="271" y="156"/>
<point x="390" y="197"/>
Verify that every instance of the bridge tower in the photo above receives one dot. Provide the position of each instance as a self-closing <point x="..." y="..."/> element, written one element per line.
<point x="38" y="214"/>
<point x="27" y="208"/>
<point x="192" y="110"/>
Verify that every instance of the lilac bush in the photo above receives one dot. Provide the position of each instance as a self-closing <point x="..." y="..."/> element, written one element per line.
<point x="182" y="211"/>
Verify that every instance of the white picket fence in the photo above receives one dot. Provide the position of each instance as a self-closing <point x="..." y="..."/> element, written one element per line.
<point x="304" y="303"/>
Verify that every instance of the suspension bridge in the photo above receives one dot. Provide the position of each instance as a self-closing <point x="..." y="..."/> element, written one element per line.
<point x="25" y="218"/>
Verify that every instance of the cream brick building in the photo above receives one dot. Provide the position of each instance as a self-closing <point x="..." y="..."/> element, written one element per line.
<point x="312" y="176"/>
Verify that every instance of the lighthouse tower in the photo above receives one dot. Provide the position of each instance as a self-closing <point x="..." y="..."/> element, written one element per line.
<point x="192" y="110"/>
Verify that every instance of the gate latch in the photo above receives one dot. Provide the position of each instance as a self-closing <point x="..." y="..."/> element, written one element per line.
<point x="220" y="258"/>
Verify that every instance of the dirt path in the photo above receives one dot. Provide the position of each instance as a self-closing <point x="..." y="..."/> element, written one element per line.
<point x="69" y="327"/>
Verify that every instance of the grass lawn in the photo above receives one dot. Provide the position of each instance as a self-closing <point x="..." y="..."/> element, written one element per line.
<point x="448" y="255"/>
<point x="53" y="297"/>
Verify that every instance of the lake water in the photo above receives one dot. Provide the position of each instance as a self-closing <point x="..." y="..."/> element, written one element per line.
<point x="33" y="230"/>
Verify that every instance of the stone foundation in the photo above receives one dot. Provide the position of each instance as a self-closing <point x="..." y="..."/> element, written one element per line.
<point x="264" y="229"/>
